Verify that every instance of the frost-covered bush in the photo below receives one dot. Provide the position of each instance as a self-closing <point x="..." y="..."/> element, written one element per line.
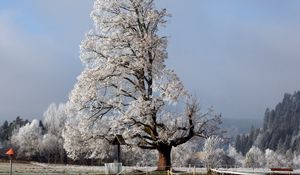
<point x="296" y="161"/>
<point x="275" y="159"/>
<point x="212" y="154"/>
<point x="238" y="157"/>
<point x="186" y="154"/>
<point x="27" y="140"/>
<point x="254" y="158"/>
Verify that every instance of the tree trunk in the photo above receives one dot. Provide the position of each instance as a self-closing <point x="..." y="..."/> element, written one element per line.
<point x="164" y="158"/>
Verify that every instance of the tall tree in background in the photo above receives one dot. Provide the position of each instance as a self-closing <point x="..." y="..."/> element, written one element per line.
<point x="54" y="121"/>
<point x="126" y="88"/>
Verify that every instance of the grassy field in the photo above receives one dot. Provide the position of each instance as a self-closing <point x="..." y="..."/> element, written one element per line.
<point x="54" y="169"/>
<point x="36" y="168"/>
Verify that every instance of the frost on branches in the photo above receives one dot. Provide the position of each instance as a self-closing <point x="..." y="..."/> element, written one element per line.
<point x="52" y="142"/>
<point x="126" y="88"/>
<point x="254" y="158"/>
<point x="27" y="139"/>
<point x="212" y="154"/>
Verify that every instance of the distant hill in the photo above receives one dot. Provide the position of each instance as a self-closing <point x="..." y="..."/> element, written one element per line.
<point x="280" y="129"/>
<point x="240" y="125"/>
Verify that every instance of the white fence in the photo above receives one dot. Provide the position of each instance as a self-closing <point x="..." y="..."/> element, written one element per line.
<point x="249" y="171"/>
<point x="113" y="168"/>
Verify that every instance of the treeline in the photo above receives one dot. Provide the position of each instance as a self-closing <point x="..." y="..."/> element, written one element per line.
<point x="38" y="140"/>
<point x="280" y="131"/>
<point x="7" y="129"/>
<point x="244" y="142"/>
<point x="42" y="141"/>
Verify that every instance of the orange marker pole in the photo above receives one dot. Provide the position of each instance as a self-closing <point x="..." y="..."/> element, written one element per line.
<point x="10" y="153"/>
<point x="10" y="161"/>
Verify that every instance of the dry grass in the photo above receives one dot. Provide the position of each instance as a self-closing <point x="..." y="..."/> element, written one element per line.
<point x="36" y="168"/>
<point x="32" y="168"/>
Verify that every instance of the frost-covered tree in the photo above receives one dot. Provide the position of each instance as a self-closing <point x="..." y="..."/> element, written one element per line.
<point x="238" y="157"/>
<point x="275" y="159"/>
<point x="54" y="120"/>
<point x="186" y="154"/>
<point x="254" y="158"/>
<point x="212" y="154"/>
<point x="78" y="144"/>
<point x="139" y="157"/>
<point x="126" y="87"/>
<point x="296" y="161"/>
<point x="9" y="128"/>
<point x="27" y="139"/>
<point x="50" y="147"/>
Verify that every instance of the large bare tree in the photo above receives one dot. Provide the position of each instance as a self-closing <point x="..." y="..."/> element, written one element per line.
<point x="126" y="88"/>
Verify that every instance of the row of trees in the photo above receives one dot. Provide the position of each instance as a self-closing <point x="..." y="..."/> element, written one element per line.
<point x="8" y="128"/>
<point x="244" y="142"/>
<point x="280" y="131"/>
<point x="39" y="140"/>
<point x="43" y="141"/>
<point x="256" y="158"/>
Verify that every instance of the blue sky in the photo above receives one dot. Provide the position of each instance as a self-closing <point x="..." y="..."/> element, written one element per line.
<point x="239" y="56"/>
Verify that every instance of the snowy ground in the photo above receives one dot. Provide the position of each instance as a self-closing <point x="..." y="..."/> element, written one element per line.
<point x="54" y="169"/>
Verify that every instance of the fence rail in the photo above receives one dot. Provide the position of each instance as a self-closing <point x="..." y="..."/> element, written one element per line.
<point x="230" y="172"/>
<point x="253" y="172"/>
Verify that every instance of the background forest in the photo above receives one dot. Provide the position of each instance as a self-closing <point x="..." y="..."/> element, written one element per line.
<point x="275" y="144"/>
